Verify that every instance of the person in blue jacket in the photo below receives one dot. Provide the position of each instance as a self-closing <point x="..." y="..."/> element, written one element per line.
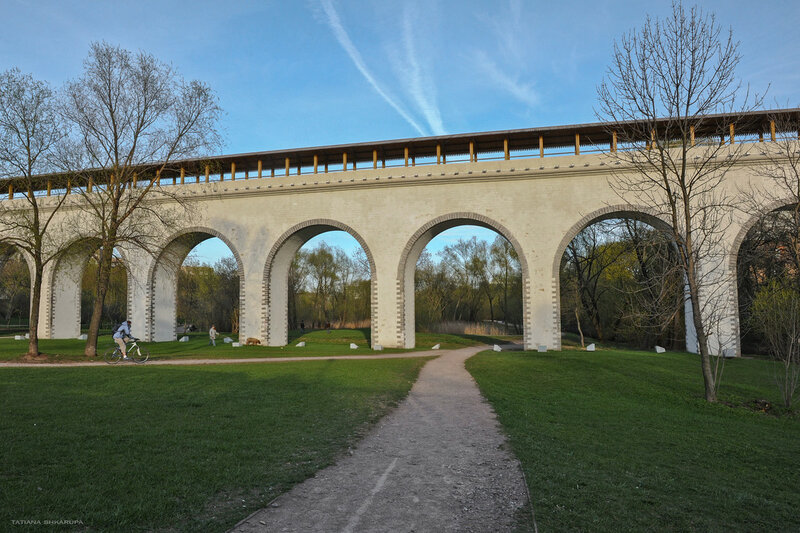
<point x="122" y="334"/>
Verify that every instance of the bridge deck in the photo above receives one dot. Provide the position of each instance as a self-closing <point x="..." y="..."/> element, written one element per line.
<point x="507" y="144"/>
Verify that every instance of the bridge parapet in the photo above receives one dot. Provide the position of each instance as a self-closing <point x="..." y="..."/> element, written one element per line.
<point x="761" y="126"/>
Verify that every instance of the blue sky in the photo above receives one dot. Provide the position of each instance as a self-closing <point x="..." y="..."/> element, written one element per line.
<point x="318" y="72"/>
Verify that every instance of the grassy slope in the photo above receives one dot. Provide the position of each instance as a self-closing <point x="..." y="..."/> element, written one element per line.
<point x="621" y="440"/>
<point x="318" y="344"/>
<point x="179" y="448"/>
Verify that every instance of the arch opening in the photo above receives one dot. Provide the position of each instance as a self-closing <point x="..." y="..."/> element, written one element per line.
<point x="767" y="266"/>
<point x="195" y="282"/>
<point x="15" y="291"/>
<point x="478" y="282"/>
<point x="619" y="281"/>
<point x="319" y="274"/>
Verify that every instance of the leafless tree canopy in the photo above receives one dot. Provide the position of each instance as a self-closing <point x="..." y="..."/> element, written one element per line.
<point x="663" y="79"/>
<point x="131" y="118"/>
<point x="30" y="132"/>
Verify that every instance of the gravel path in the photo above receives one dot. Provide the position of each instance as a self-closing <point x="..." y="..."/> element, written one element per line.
<point x="436" y="463"/>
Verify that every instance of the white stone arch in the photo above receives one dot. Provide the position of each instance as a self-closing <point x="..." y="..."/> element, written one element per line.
<point x="275" y="301"/>
<point x="406" y="334"/>
<point x="63" y="320"/>
<point x="645" y="214"/>
<point x="735" y="247"/>
<point x="162" y="280"/>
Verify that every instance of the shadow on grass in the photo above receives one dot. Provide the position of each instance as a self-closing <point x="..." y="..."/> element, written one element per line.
<point x="190" y="449"/>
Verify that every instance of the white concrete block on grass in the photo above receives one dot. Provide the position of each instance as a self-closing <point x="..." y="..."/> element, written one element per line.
<point x="377" y="347"/>
<point x="353" y="346"/>
<point x="300" y="344"/>
<point x="82" y="337"/>
<point x="590" y="348"/>
<point x="436" y="346"/>
<point x="184" y="339"/>
<point x="227" y="340"/>
<point x="235" y="344"/>
<point x="19" y="338"/>
<point x="497" y="348"/>
<point x="659" y="349"/>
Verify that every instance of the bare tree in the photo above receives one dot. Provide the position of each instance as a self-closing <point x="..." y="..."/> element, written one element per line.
<point x="15" y="290"/>
<point x="664" y="81"/>
<point x="505" y="264"/>
<point x="776" y="313"/>
<point x="434" y="289"/>
<point x="30" y="131"/>
<point x="297" y="278"/>
<point x="588" y="258"/>
<point x="655" y="302"/>
<point x="132" y="117"/>
<point x="464" y="261"/>
<point x="323" y="272"/>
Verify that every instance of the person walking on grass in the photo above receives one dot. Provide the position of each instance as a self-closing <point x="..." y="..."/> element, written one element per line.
<point x="212" y="335"/>
<point x="121" y="335"/>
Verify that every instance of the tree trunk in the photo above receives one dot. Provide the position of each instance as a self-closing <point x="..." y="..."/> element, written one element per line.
<point x="36" y="297"/>
<point x="702" y="340"/>
<point x="103" y="277"/>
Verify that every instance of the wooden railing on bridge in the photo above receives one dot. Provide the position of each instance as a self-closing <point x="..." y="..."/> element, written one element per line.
<point x="756" y="126"/>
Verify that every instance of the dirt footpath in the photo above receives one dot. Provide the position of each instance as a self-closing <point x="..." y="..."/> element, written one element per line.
<point x="436" y="463"/>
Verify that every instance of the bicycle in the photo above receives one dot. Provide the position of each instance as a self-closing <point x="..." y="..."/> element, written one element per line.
<point x="135" y="352"/>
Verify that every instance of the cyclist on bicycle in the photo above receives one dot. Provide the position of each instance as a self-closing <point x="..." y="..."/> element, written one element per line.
<point x="121" y="336"/>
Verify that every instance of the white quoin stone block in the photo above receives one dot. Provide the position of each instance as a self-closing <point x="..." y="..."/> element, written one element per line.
<point x="497" y="348"/>
<point x="184" y="339"/>
<point x="300" y="344"/>
<point x="659" y="349"/>
<point x="542" y="348"/>
<point x="590" y="348"/>
<point x="227" y="340"/>
<point x="353" y="346"/>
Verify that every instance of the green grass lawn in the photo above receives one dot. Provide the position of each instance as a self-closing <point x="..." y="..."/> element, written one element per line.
<point x="319" y="343"/>
<point x="623" y="441"/>
<point x="140" y="448"/>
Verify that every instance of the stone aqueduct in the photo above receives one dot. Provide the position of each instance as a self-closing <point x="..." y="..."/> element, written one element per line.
<point x="538" y="188"/>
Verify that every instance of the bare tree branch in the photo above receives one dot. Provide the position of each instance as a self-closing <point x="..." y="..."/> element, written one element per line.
<point x="664" y="79"/>
<point x="132" y="118"/>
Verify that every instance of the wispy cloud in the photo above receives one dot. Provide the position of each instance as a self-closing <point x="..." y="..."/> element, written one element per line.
<point x="524" y="92"/>
<point x="506" y="71"/>
<point x="419" y="82"/>
<point x="335" y="23"/>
